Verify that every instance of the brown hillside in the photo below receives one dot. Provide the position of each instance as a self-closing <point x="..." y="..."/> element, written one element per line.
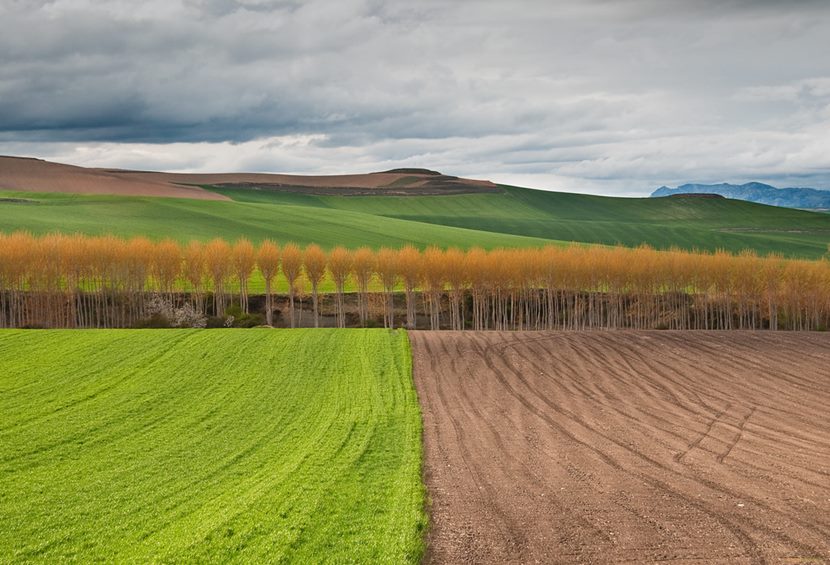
<point x="35" y="175"/>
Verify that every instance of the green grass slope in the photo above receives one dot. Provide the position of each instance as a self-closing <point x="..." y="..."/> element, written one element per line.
<point x="515" y="218"/>
<point x="199" y="219"/>
<point x="690" y="223"/>
<point x="209" y="446"/>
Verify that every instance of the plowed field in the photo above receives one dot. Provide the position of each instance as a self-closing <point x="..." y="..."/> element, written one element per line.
<point x="696" y="447"/>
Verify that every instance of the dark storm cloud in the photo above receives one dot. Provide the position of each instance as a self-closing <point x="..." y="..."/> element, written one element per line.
<point x="605" y="95"/>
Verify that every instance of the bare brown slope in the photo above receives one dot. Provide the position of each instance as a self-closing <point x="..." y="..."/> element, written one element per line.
<point x="396" y="183"/>
<point x="636" y="447"/>
<point x="35" y="175"/>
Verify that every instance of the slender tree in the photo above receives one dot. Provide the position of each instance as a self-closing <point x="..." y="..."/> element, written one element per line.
<point x="387" y="269"/>
<point x="365" y="263"/>
<point x="217" y="261"/>
<point x="268" y="261"/>
<point x="139" y="262"/>
<point x="456" y="276"/>
<point x="244" y="261"/>
<point x="194" y="272"/>
<point x="434" y="275"/>
<point x="314" y="261"/>
<point x="167" y="266"/>
<point x="340" y="265"/>
<point x="409" y="268"/>
<point x="292" y="263"/>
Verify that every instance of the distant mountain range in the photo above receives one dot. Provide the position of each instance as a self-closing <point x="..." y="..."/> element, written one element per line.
<point x="810" y="198"/>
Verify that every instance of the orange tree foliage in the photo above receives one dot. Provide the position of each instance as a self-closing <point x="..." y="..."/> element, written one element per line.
<point x="77" y="281"/>
<point x="244" y="261"/>
<point x="314" y="261"/>
<point x="340" y="266"/>
<point x="268" y="261"/>
<point x="292" y="265"/>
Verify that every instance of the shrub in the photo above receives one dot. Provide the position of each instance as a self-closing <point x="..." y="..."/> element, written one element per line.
<point x="188" y="317"/>
<point x="164" y="315"/>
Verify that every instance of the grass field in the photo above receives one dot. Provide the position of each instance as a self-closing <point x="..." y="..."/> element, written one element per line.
<point x="189" y="446"/>
<point x="689" y="223"/>
<point x="517" y="217"/>
<point x="198" y="219"/>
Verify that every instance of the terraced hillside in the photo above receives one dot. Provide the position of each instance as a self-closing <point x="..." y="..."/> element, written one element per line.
<point x="219" y="446"/>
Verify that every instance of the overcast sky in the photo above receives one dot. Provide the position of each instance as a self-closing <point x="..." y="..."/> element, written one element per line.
<point x="611" y="97"/>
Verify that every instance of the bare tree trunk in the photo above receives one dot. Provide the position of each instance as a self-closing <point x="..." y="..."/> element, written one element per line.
<point x="269" y="307"/>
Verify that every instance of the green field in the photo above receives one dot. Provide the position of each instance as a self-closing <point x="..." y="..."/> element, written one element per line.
<point x="209" y="446"/>
<point x="185" y="219"/>
<point x="515" y="218"/>
<point x="688" y="223"/>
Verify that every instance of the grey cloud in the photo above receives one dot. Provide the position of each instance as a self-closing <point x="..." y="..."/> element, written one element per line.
<point x="613" y="95"/>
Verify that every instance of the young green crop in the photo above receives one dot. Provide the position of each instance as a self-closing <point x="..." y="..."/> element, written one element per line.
<point x="209" y="446"/>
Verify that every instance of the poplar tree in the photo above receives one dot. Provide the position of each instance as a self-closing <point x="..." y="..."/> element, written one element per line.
<point x="314" y="261"/>
<point x="409" y="268"/>
<point x="268" y="261"/>
<point x="217" y="261"/>
<point x="387" y="270"/>
<point x="364" y="265"/>
<point x="194" y="272"/>
<point x="340" y="265"/>
<point x="292" y="263"/>
<point x="244" y="261"/>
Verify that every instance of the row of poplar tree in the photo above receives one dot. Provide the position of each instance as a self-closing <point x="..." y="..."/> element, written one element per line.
<point x="80" y="281"/>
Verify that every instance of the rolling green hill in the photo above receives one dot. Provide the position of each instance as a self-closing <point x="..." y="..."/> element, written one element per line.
<point x="215" y="446"/>
<point x="185" y="219"/>
<point x="690" y="223"/>
<point x="515" y="217"/>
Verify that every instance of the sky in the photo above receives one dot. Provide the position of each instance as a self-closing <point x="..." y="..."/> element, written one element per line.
<point x="612" y="97"/>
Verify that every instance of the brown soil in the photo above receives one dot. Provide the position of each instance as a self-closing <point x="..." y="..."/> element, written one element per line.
<point x="349" y="185"/>
<point x="420" y="189"/>
<point x="698" y="447"/>
<point x="35" y="175"/>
